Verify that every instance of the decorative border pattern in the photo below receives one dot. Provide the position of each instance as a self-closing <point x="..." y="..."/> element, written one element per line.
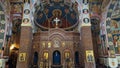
<point x="85" y="13"/>
<point x="2" y="28"/>
<point x="26" y="16"/>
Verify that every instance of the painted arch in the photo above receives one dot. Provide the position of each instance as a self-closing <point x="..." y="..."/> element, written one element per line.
<point x="111" y="27"/>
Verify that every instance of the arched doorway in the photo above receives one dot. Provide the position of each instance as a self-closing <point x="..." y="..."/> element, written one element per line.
<point x="56" y="58"/>
<point x="76" y="58"/>
<point x="77" y="64"/>
<point x="35" y="60"/>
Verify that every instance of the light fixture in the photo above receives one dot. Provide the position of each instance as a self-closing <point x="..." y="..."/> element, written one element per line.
<point x="12" y="46"/>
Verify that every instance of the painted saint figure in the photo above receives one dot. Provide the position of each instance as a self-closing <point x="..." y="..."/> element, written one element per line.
<point x="26" y="11"/>
<point x="90" y="58"/>
<point x="115" y="39"/>
<point x="85" y="11"/>
<point x="22" y="57"/>
<point x="86" y="20"/>
<point x="46" y="55"/>
<point x="25" y="20"/>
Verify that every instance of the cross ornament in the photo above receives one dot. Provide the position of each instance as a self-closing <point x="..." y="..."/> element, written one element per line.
<point x="56" y="22"/>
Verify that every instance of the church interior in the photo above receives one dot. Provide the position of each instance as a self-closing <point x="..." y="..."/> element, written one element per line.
<point x="59" y="33"/>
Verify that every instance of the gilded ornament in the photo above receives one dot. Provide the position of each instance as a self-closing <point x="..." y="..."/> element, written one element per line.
<point x="26" y="11"/>
<point x="49" y="44"/>
<point x="63" y="44"/>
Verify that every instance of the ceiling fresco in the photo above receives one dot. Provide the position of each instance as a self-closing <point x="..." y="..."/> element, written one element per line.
<point x="116" y="13"/>
<point x="49" y="10"/>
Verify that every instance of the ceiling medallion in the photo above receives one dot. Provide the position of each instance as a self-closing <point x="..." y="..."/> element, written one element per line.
<point x="85" y="11"/>
<point x="86" y="20"/>
<point x="26" y="11"/>
<point x="25" y="20"/>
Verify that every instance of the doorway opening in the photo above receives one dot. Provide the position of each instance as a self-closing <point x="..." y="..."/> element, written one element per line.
<point x="56" y="58"/>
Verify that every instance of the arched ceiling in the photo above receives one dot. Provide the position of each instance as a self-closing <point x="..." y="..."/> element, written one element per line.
<point x="68" y="3"/>
<point x="66" y="11"/>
